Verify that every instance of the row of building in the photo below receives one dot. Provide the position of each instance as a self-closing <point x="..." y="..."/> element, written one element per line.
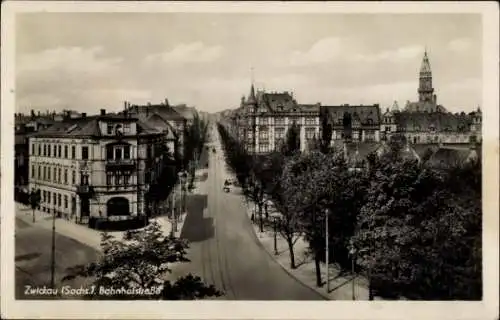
<point x="263" y="118"/>
<point x="104" y="166"/>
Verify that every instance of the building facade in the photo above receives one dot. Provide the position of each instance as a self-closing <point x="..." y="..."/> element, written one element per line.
<point x="425" y="121"/>
<point x="263" y="120"/>
<point x="353" y="123"/>
<point x="99" y="166"/>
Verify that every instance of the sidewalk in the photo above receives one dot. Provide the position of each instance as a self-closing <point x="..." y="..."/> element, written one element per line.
<point x="340" y="283"/>
<point x="82" y="233"/>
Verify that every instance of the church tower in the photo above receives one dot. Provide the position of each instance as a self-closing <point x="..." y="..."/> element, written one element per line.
<point x="425" y="89"/>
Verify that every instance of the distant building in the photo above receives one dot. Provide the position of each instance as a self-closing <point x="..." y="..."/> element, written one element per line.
<point x="353" y="122"/>
<point x="97" y="166"/>
<point x="164" y="118"/>
<point x="425" y="121"/>
<point x="263" y="120"/>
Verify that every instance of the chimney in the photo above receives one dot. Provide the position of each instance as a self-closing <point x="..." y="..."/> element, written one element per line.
<point x="103" y="112"/>
<point x="149" y="104"/>
<point x="166" y="101"/>
<point x="435" y="98"/>
<point x="125" y="105"/>
<point x="84" y="115"/>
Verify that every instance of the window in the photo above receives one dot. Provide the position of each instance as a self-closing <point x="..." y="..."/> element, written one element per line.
<point x="44" y="195"/>
<point x="65" y="176"/>
<point x="84" y="179"/>
<point x="126" y="128"/>
<point x="264" y="120"/>
<point x="126" y="179"/>
<point x="109" y="152"/>
<point x="59" y="148"/>
<point x="66" y="152"/>
<point x="279" y="133"/>
<point x="73" y="152"/>
<point x="39" y="150"/>
<point x="44" y="150"/>
<point x="310" y="120"/>
<point x="55" y="151"/>
<point x="49" y="171"/>
<point x="264" y="134"/>
<point x="58" y="199"/>
<point x="55" y="198"/>
<point x="33" y="149"/>
<point x="32" y="171"/>
<point x="118" y="153"/>
<point x="85" y="153"/>
<point x="263" y="147"/>
<point x="48" y="197"/>
<point x="73" y="177"/>
<point x="118" y="179"/>
<point x="109" y="178"/>
<point x="126" y="152"/>
<point x="110" y="128"/>
<point x="310" y="133"/>
<point x="279" y="121"/>
<point x="65" y="202"/>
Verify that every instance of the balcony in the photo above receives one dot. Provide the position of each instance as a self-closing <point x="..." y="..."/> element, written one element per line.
<point x="120" y="163"/>
<point x="83" y="189"/>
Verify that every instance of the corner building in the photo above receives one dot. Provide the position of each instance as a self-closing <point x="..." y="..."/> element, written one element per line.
<point x="99" y="166"/>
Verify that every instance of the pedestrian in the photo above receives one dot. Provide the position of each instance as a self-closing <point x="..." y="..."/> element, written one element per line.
<point x="253" y="217"/>
<point x="265" y="208"/>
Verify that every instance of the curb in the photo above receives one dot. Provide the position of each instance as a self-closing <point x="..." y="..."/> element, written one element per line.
<point x="259" y="243"/>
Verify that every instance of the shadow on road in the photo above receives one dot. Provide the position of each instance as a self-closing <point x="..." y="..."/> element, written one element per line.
<point x="197" y="228"/>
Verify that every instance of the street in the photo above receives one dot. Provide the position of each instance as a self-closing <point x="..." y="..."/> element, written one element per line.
<point x="224" y="249"/>
<point x="32" y="251"/>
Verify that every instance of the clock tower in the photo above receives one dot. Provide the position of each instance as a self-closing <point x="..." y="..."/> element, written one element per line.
<point x="425" y="89"/>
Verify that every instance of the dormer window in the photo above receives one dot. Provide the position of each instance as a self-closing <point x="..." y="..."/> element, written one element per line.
<point x="110" y="128"/>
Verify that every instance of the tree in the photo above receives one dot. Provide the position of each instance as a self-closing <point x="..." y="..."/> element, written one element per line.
<point x="292" y="140"/>
<point x="35" y="198"/>
<point x="288" y="223"/>
<point x="326" y="134"/>
<point x="139" y="263"/>
<point x="419" y="234"/>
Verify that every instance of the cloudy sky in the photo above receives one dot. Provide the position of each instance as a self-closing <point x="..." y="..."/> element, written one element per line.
<point x="88" y="61"/>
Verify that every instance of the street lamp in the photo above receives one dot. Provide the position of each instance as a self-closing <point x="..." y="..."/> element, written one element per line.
<point x="327" y="253"/>
<point x="275" y="217"/>
<point x="53" y="251"/>
<point x="352" y="253"/>
<point x="183" y="180"/>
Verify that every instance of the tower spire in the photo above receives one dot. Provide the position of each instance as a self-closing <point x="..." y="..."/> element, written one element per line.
<point x="251" y="97"/>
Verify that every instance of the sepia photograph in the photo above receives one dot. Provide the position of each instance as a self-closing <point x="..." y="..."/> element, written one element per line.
<point x="249" y="153"/>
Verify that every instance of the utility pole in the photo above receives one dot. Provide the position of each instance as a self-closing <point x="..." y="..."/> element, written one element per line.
<point x="53" y="251"/>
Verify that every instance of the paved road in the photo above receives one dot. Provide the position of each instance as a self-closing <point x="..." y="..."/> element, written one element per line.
<point x="224" y="248"/>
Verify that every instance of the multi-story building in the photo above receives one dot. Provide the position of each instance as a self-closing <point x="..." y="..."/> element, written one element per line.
<point x="263" y="120"/>
<point x="353" y="123"/>
<point x="162" y="115"/>
<point x="97" y="166"/>
<point x="425" y="121"/>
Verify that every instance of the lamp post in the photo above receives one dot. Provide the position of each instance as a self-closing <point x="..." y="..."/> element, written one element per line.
<point x="172" y="215"/>
<point x="53" y="252"/>
<point x="352" y="253"/>
<point x="183" y="180"/>
<point x="327" y="252"/>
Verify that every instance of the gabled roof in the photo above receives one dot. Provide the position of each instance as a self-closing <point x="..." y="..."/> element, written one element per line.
<point x="165" y="111"/>
<point x="185" y="111"/>
<point x="277" y="102"/>
<point x="424" y="106"/>
<point x="157" y="122"/>
<point x="415" y="121"/>
<point x="361" y="113"/>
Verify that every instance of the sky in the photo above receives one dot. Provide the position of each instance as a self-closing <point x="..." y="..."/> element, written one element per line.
<point x="91" y="61"/>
